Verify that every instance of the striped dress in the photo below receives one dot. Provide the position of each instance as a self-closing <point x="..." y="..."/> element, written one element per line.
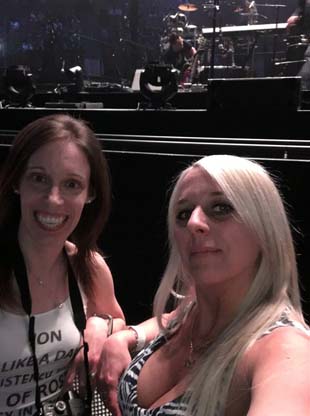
<point x="129" y="382"/>
<point x="127" y="389"/>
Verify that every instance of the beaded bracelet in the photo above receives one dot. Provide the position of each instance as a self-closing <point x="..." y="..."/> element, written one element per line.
<point x="140" y="337"/>
<point x="107" y="317"/>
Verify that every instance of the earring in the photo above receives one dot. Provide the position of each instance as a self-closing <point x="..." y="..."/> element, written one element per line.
<point x="16" y="191"/>
<point x="90" y="200"/>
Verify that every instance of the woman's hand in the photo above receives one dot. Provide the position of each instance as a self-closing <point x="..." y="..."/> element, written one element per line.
<point x="95" y="336"/>
<point x="115" y="358"/>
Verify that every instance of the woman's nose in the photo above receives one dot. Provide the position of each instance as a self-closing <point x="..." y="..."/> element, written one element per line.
<point x="199" y="221"/>
<point x="54" y="195"/>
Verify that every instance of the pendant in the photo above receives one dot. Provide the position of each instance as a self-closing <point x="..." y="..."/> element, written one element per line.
<point x="189" y="362"/>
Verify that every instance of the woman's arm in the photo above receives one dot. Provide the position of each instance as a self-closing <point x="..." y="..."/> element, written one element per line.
<point x="281" y="374"/>
<point x="102" y="305"/>
<point x="104" y="301"/>
<point x="117" y="354"/>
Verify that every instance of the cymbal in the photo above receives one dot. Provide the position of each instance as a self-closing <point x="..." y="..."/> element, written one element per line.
<point x="271" y="5"/>
<point x="188" y="7"/>
<point x="248" y="14"/>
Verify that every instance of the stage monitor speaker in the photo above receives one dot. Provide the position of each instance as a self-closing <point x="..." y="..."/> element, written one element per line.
<point x="260" y="94"/>
<point x="221" y="71"/>
<point x="135" y="85"/>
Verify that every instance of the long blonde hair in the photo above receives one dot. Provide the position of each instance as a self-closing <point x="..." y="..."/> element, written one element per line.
<point x="258" y="203"/>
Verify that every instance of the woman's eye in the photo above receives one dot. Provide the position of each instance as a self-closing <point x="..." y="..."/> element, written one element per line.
<point x="222" y="209"/>
<point x="183" y="215"/>
<point x="38" y="178"/>
<point x="73" y="185"/>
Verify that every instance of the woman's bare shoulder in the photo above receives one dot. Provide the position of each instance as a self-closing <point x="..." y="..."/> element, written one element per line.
<point x="97" y="258"/>
<point x="279" y="366"/>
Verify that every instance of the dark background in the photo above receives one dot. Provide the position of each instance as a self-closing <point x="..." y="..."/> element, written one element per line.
<point x="147" y="149"/>
<point x="135" y="240"/>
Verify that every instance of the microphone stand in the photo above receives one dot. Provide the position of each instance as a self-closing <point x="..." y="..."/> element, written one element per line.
<point x="216" y="8"/>
<point x="275" y="38"/>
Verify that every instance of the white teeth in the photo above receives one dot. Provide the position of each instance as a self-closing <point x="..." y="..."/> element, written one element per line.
<point x="50" y="221"/>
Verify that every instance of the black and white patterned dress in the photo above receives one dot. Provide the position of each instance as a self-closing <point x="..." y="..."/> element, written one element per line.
<point x="127" y="390"/>
<point x="127" y="393"/>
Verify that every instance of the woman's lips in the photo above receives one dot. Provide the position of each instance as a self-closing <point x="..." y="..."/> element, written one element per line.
<point x="205" y="250"/>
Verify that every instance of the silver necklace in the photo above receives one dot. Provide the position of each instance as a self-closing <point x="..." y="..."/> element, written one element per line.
<point x="190" y="360"/>
<point x="198" y="350"/>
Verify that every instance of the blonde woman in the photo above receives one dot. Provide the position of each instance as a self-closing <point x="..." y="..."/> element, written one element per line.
<point x="238" y="343"/>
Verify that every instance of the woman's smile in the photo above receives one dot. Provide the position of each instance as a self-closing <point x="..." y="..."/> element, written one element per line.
<point x="50" y="221"/>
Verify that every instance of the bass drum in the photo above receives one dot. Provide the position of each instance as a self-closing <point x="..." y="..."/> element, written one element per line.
<point x="296" y="47"/>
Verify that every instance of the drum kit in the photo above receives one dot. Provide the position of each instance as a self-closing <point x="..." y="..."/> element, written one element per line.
<point x="221" y="50"/>
<point x="180" y="23"/>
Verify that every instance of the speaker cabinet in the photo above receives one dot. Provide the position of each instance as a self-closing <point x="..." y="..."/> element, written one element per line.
<point x="264" y="94"/>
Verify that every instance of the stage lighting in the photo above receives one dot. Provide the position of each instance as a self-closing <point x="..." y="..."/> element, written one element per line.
<point x="158" y="84"/>
<point x="18" y="86"/>
<point x="75" y="69"/>
<point x="75" y="78"/>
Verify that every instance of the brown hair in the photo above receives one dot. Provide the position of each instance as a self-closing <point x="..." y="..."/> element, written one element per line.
<point x="94" y="216"/>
